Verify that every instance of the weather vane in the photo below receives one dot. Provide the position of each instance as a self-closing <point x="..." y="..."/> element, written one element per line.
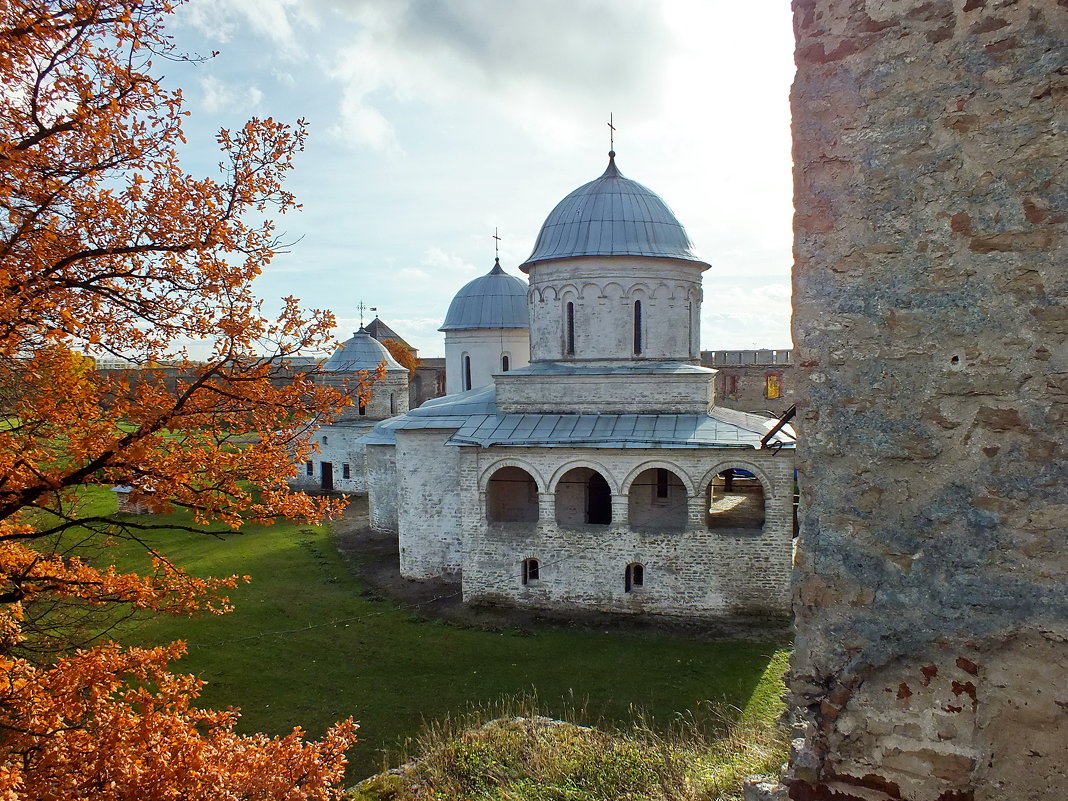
<point x="611" y="133"/>
<point x="496" y="243"/>
<point x="362" y="308"/>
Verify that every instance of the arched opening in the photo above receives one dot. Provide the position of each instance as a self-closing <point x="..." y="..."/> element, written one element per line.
<point x="467" y="372"/>
<point x="392" y="403"/>
<point x="326" y="440"/>
<point x="569" y="334"/>
<point x="657" y="501"/>
<point x="531" y="571"/>
<point x="637" y="328"/>
<point x="505" y="363"/>
<point x="736" y="500"/>
<point x="583" y="497"/>
<point x="363" y="408"/>
<point x="512" y="497"/>
<point x="634" y="577"/>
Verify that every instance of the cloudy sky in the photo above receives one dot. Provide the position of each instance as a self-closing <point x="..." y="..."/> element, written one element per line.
<point x="434" y="121"/>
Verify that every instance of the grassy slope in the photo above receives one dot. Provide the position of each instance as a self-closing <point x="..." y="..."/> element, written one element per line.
<point x="284" y="662"/>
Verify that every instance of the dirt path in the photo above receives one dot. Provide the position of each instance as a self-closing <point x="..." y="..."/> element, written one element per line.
<point x="373" y="557"/>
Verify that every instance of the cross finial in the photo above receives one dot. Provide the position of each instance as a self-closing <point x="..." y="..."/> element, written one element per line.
<point x="362" y="308"/>
<point x="611" y="133"/>
<point x="496" y="244"/>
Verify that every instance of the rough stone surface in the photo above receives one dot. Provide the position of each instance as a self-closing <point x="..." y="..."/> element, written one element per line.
<point x="930" y="324"/>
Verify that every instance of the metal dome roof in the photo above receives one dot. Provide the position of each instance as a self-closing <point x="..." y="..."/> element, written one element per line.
<point x="612" y="216"/>
<point x="362" y="352"/>
<point x="493" y="300"/>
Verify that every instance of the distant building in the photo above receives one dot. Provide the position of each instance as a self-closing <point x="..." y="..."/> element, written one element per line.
<point x="339" y="463"/>
<point x="760" y="381"/>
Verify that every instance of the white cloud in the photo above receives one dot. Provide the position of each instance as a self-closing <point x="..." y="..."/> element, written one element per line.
<point x="217" y="96"/>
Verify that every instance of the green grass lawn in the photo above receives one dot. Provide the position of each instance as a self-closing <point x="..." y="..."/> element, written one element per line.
<point x="283" y="659"/>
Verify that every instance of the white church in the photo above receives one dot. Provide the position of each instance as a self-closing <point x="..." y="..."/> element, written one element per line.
<point x="580" y="460"/>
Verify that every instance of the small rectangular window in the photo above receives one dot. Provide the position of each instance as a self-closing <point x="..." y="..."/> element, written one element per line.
<point x="531" y="571"/>
<point x="309" y="468"/>
<point x="345" y="472"/>
<point x="773" y="385"/>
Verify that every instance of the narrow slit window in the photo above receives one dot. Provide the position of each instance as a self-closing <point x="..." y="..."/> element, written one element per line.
<point x="504" y="363"/>
<point x="637" y="328"/>
<point x="634" y="577"/>
<point x="661" y="482"/>
<point x="467" y="372"/>
<point x="392" y="403"/>
<point x="326" y="440"/>
<point x="345" y="471"/>
<point x="363" y="408"/>
<point x="570" y="344"/>
<point x="531" y="571"/>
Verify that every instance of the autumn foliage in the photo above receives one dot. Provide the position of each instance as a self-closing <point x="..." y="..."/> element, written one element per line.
<point x="404" y="355"/>
<point x="107" y="245"/>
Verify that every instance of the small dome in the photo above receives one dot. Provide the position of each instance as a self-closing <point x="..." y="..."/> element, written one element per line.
<point x="494" y="300"/>
<point x="612" y="216"/>
<point x="362" y="352"/>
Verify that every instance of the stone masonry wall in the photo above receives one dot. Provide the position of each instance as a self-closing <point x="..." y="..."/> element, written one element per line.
<point x="694" y="572"/>
<point x="930" y="326"/>
<point x="382" y="486"/>
<point x="429" y="513"/>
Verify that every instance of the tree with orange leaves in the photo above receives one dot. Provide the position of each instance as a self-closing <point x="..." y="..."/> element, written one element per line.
<point x="404" y="355"/>
<point x="106" y="245"/>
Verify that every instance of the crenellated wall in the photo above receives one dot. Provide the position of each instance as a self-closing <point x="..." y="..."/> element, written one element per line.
<point x="931" y="342"/>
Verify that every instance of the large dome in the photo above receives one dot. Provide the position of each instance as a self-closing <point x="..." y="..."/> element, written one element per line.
<point x="611" y="216"/>
<point x="362" y="352"/>
<point x="493" y="300"/>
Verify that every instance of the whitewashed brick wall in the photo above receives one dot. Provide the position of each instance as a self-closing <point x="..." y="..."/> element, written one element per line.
<point x="693" y="572"/>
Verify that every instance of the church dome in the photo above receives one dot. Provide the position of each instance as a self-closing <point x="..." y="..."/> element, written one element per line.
<point x="611" y="216"/>
<point x="493" y="300"/>
<point x="362" y="352"/>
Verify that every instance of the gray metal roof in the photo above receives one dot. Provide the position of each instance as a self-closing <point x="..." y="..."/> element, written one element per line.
<point x="613" y="431"/>
<point x="493" y="300"/>
<point x="611" y="216"/>
<point x="448" y="412"/>
<point x="472" y="415"/>
<point x="362" y="352"/>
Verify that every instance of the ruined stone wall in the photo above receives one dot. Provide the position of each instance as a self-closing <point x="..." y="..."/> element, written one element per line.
<point x="930" y="325"/>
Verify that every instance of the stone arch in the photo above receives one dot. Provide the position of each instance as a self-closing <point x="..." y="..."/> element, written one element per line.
<point x="548" y="293"/>
<point x="488" y="471"/>
<point x="652" y="464"/>
<point x="640" y="290"/>
<point x="604" y="471"/>
<point x="663" y="291"/>
<point x="583" y="496"/>
<point x="724" y="463"/>
<point x="658" y="497"/>
<point x="512" y="495"/>
<point x="614" y="290"/>
<point x="590" y="291"/>
<point x="567" y="292"/>
<point x="735" y="504"/>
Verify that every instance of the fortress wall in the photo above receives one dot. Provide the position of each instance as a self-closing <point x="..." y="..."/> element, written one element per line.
<point x="930" y="325"/>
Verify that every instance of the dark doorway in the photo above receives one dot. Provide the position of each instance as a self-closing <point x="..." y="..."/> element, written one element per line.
<point x="327" y="477"/>
<point x="598" y="501"/>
